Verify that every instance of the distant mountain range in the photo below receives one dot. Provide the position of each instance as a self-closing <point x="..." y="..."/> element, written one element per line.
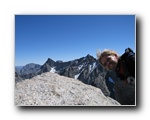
<point x="86" y="69"/>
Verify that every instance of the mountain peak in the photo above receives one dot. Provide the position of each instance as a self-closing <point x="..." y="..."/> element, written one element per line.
<point x="50" y="62"/>
<point x="88" y="55"/>
<point x="90" y="58"/>
<point x="49" y="59"/>
<point x="29" y="68"/>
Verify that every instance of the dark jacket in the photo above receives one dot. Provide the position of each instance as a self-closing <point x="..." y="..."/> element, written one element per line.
<point x="126" y="65"/>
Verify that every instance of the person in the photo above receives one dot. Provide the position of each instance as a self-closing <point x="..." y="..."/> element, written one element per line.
<point x="124" y="65"/>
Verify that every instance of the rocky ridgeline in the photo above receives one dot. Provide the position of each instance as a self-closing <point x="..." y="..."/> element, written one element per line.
<point x="51" y="89"/>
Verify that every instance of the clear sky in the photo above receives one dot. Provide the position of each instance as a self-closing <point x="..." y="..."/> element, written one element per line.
<point x="68" y="37"/>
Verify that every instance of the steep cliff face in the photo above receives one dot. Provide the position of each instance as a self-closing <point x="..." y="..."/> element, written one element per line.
<point x="51" y="89"/>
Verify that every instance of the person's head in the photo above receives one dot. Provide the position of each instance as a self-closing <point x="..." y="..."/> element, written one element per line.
<point x="108" y="59"/>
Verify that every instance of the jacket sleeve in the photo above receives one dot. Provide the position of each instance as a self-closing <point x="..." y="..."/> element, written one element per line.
<point x="131" y="65"/>
<point x="129" y="58"/>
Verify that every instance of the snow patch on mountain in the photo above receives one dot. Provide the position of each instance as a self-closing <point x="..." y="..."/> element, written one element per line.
<point x="53" y="70"/>
<point x="80" y="67"/>
<point x="76" y="76"/>
<point x="92" y="67"/>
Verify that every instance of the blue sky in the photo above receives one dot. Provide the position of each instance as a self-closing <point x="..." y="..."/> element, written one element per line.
<point x="68" y="37"/>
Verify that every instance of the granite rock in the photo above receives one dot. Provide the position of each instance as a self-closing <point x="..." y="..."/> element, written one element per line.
<point x="51" y="89"/>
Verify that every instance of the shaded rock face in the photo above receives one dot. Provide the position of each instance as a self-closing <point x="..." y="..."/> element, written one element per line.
<point x="29" y="69"/>
<point x="26" y="72"/>
<point x="18" y="68"/>
<point x="124" y="92"/>
<point x="17" y="77"/>
<point x="47" y="66"/>
<point x="51" y="89"/>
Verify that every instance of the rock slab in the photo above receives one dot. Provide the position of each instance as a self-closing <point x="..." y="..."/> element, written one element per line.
<point x="51" y="89"/>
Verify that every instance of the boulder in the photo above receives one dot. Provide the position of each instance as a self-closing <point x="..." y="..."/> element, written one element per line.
<point x="51" y="89"/>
